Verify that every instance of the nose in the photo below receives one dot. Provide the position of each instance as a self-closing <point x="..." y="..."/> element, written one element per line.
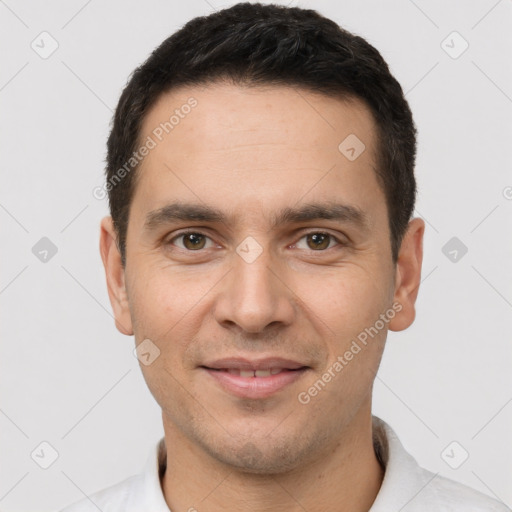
<point x="255" y="296"/>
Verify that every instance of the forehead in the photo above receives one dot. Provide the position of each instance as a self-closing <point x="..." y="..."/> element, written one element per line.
<point x="256" y="145"/>
<point x="223" y="115"/>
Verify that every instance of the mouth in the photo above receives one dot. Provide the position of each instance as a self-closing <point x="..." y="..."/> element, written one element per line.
<point x="254" y="379"/>
<point x="248" y="374"/>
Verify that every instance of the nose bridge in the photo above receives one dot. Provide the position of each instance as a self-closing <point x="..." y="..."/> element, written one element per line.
<point x="253" y="296"/>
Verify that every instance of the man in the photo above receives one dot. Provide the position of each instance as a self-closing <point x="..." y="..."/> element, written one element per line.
<point x="261" y="186"/>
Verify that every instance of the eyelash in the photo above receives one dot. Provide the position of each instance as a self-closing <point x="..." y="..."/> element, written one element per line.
<point x="339" y="243"/>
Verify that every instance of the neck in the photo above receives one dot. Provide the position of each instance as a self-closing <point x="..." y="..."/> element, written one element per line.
<point x="346" y="476"/>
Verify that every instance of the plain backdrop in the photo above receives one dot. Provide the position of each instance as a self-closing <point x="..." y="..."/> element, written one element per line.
<point x="68" y="378"/>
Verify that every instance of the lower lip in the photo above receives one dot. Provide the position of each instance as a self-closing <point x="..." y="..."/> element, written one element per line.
<point x="255" y="387"/>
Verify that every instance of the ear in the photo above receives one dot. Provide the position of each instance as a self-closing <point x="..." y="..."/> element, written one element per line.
<point x="114" y="272"/>
<point x="408" y="275"/>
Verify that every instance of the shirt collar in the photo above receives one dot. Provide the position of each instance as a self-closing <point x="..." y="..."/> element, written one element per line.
<point x="403" y="477"/>
<point x="152" y="488"/>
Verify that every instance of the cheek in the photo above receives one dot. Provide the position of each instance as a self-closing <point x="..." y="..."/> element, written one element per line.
<point x="161" y="297"/>
<point x="167" y="387"/>
<point x="163" y="305"/>
<point x="348" y="299"/>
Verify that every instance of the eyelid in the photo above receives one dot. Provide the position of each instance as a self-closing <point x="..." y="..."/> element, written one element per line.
<point x="184" y="233"/>
<point x="339" y="240"/>
<point x="301" y="235"/>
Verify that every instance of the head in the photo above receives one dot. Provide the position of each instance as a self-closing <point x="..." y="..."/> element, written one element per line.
<point x="269" y="216"/>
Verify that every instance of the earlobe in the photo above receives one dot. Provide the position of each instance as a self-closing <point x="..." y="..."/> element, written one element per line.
<point x="115" y="276"/>
<point x="408" y="275"/>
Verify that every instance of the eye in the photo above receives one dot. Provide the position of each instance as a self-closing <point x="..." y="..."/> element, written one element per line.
<point x="318" y="241"/>
<point x="191" y="241"/>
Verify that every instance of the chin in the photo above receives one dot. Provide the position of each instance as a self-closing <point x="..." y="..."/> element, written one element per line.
<point x="261" y="456"/>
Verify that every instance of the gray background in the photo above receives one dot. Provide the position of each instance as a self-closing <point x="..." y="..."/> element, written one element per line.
<point x="69" y="378"/>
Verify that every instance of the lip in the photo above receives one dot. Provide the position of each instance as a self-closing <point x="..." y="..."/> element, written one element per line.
<point x="254" y="387"/>
<point x="255" y="364"/>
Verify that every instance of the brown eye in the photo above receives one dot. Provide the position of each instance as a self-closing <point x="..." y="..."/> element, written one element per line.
<point x="191" y="241"/>
<point x="318" y="241"/>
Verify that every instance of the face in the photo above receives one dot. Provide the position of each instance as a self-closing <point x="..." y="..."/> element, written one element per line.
<point x="259" y="266"/>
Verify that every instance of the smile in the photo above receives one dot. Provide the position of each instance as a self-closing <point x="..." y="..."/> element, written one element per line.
<point x="255" y="379"/>
<point x="253" y="373"/>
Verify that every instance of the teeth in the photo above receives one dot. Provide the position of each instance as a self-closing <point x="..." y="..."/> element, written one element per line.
<point x="254" y="373"/>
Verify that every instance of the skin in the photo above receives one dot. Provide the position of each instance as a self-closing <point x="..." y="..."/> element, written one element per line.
<point x="249" y="152"/>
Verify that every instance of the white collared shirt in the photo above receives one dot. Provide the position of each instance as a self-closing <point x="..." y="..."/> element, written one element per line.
<point x="406" y="487"/>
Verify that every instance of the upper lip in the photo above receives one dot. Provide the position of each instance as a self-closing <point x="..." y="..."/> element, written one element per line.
<point x="255" y="364"/>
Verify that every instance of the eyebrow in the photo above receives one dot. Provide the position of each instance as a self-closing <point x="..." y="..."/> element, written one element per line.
<point x="308" y="212"/>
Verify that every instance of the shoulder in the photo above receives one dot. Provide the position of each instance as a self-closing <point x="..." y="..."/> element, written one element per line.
<point x="411" y="488"/>
<point x="457" y="497"/>
<point x="124" y="496"/>
<point x="138" y="492"/>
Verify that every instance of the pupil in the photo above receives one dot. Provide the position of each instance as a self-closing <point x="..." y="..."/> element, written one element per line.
<point x="193" y="240"/>
<point x="319" y="240"/>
